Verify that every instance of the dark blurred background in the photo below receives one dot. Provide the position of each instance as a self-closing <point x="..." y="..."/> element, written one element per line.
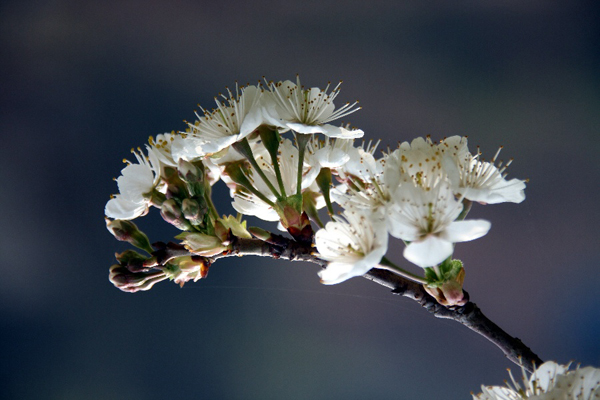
<point x="82" y="82"/>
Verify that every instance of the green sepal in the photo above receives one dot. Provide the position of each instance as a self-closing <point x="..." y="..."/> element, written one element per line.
<point x="309" y="203"/>
<point x="127" y="231"/>
<point x="129" y="255"/>
<point x="449" y="271"/>
<point x="271" y="139"/>
<point x="324" y="183"/>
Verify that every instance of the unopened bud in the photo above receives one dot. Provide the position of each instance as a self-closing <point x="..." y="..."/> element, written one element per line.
<point x="448" y="289"/>
<point x="176" y="188"/>
<point x="193" y="175"/>
<point x="193" y="212"/>
<point x="294" y="219"/>
<point x="132" y="260"/>
<point x="185" y="269"/>
<point x="131" y="282"/>
<point x="171" y="212"/>
<point x="201" y="244"/>
<point x="127" y="231"/>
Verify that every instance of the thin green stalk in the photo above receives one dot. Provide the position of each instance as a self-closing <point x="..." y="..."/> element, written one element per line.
<point x="302" y="140"/>
<point x="390" y="266"/>
<point x="243" y="147"/>
<point x="466" y="208"/>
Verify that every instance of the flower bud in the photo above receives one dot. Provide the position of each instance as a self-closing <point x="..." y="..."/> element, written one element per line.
<point x="176" y="188"/>
<point x="131" y="282"/>
<point x="294" y="219"/>
<point x="202" y="244"/>
<point x="193" y="212"/>
<point x="193" y="175"/>
<point x="187" y="268"/>
<point x="132" y="260"/>
<point x="171" y="212"/>
<point x="127" y="231"/>
<point x="447" y="289"/>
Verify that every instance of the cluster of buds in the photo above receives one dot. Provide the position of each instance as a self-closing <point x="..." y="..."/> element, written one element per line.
<point x="274" y="146"/>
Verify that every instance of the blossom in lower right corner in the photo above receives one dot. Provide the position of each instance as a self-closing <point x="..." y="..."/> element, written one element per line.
<point x="352" y="247"/>
<point x="551" y="381"/>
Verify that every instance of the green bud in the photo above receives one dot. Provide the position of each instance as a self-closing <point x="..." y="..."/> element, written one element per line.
<point x="132" y="282"/>
<point x="187" y="268"/>
<point x="193" y="212"/>
<point x="171" y="212"/>
<point x="294" y="219"/>
<point x="202" y="244"/>
<point x="446" y="285"/>
<point x="127" y="231"/>
<point x="176" y="188"/>
<point x="132" y="260"/>
<point x="193" y="175"/>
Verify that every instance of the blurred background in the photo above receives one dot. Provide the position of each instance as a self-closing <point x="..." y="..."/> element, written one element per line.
<point x="82" y="82"/>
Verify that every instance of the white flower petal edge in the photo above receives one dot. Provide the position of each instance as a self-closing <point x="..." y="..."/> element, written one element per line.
<point x="135" y="186"/>
<point x="551" y="381"/>
<point x="428" y="252"/>
<point x="353" y="246"/>
<point x="464" y="231"/>
<point x="289" y="105"/>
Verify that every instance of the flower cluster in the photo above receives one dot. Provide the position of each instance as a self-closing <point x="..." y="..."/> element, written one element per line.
<point x="275" y="147"/>
<point x="551" y="381"/>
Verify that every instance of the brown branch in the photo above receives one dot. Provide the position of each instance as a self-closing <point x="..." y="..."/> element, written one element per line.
<point x="468" y="315"/>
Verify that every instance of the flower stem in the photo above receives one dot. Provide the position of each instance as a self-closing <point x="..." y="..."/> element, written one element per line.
<point x="466" y="208"/>
<point x="390" y="266"/>
<point x="243" y="147"/>
<point x="302" y="141"/>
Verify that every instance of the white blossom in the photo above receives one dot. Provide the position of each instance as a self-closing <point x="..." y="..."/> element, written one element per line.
<point x="479" y="180"/>
<point x="352" y="245"/>
<point x="330" y="153"/>
<point x="232" y="120"/>
<point x="248" y="203"/>
<point x="419" y="161"/>
<point x="290" y="106"/>
<point x="550" y="381"/>
<point x="136" y="183"/>
<point x="426" y="217"/>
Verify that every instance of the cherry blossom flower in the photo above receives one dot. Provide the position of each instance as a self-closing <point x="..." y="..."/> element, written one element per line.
<point x="426" y="217"/>
<point x="482" y="181"/>
<point x="249" y="203"/>
<point x="291" y="106"/>
<point x="230" y="122"/>
<point x="550" y="381"/>
<point x="136" y="183"/>
<point x="353" y="245"/>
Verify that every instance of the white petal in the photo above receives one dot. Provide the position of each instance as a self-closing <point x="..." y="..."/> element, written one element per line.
<point x="341" y="132"/>
<point x="463" y="231"/>
<point x="337" y="272"/>
<point x="501" y="191"/>
<point x="428" y="252"/>
<point x="400" y="226"/>
<point x="121" y="208"/>
<point x="252" y="120"/>
<point x="303" y="128"/>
